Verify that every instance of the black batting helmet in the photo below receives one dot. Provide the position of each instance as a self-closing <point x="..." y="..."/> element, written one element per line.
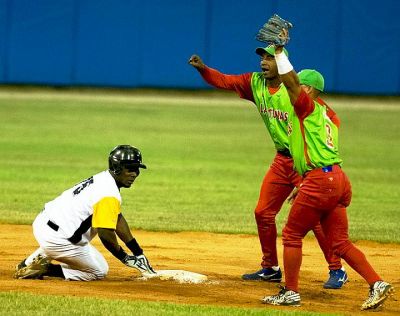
<point x="123" y="156"/>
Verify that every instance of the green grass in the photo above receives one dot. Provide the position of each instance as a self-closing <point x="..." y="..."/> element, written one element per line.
<point x="31" y="304"/>
<point x="206" y="159"/>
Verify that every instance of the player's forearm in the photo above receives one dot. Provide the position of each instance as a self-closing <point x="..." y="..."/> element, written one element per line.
<point x="287" y="75"/>
<point x="292" y="84"/>
<point x="110" y="242"/>
<point x="220" y="80"/>
<point x="124" y="233"/>
<point x="241" y="84"/>
<point x="302" y="103"/>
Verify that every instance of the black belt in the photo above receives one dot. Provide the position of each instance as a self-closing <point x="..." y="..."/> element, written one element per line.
<point x="74" y="239"/>
<point x="53" y="226"/>
<point x="285" y="152"/>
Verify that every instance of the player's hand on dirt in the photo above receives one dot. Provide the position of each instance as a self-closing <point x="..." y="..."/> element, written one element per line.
<point x="196" y="62"/>
<point x="293" y="195"/>
<point x="140" y="263"/>
<point x="275" y="31"/>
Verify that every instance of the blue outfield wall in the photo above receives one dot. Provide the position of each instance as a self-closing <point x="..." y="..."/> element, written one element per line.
<point x="132" y="43"/>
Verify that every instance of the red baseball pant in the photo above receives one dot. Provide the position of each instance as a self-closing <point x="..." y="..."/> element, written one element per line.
<point x="323" y="197"/>
<point x="278" y="183"/>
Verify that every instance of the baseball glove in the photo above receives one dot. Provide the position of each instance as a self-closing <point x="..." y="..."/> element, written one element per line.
<point x="275" y="31"/>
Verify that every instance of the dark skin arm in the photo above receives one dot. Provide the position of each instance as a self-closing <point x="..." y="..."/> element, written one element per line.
<point x="290" y="80"/>
<point x="109" y="239"/>
<point x="108" y="236"/>
<point x="123" y="231"/>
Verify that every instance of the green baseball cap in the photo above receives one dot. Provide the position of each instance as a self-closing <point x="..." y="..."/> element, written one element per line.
<point x="270" y="49"/>
<point x="312" y="78"/>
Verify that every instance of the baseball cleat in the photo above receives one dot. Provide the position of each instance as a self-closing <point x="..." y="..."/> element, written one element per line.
<point x="336" y="279"/>
<point x="20" y="265"/>
<point x="265" y="274"/>
<point x="35" y="270"/>
<point x="284" y="298"/>
<point x="378" y="293"/>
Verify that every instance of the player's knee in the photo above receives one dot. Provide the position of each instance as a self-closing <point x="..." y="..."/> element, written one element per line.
<point x="99" y="273"/>
<point x="291" y="238"/>
<point x="340" y="248"/>
<point x="265" y="215"/>
<point x="102" y="272"/>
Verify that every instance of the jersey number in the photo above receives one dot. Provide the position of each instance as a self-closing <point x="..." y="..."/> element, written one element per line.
<point x="329" y="138"/>
<point x="83" y="185"/>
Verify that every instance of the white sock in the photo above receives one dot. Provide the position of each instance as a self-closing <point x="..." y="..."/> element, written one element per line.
<point x="37" y="252"/>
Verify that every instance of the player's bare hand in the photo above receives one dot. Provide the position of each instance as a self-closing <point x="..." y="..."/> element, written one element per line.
<point x="293" y="195"/>
<point x="196" y="62"/>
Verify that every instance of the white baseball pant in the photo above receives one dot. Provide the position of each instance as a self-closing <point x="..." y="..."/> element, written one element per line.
<point x="81" y="262"/>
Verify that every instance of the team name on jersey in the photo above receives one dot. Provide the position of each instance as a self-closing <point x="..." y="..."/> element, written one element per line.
<point x="273" y="113"/>
<point x="82" y="185"/>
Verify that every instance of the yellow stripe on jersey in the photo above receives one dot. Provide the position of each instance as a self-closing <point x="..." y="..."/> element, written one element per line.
<point x="105" y="213"/>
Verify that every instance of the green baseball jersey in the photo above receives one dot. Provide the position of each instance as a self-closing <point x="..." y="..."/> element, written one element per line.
<point x="313" y="139"/>
<point x="273" y="108"/>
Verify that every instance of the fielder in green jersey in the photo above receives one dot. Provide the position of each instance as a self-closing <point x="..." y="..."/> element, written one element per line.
<point x="326" y="190"/>
<point x="274" y="109"/>
<point x="313" y="137"/>
<point x="266" y="91"/>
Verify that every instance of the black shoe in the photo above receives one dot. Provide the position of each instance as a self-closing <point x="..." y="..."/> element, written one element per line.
<point x="265" y="274"/>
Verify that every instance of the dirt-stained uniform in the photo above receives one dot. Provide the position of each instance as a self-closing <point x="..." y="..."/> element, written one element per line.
<point x="69" y="222"/>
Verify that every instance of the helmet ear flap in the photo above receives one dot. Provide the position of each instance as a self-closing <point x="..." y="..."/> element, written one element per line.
<point x="114" y="165"/>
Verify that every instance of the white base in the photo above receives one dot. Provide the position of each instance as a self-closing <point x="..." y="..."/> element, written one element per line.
<point x="181" y="276"/>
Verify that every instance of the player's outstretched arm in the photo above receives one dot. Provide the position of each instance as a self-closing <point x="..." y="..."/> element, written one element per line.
<point x="241" y="84"/>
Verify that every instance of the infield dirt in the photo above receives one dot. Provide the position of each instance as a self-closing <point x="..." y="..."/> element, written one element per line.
<point x="223" y="258"/>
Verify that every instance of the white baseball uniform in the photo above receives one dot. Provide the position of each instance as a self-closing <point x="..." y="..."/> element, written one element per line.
<point x="68" y="223"/>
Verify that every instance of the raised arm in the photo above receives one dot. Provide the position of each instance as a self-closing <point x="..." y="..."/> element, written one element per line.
<point x="241" y="84"/>
<point x="276" y="32"/>
<point x="288" y="75"/>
